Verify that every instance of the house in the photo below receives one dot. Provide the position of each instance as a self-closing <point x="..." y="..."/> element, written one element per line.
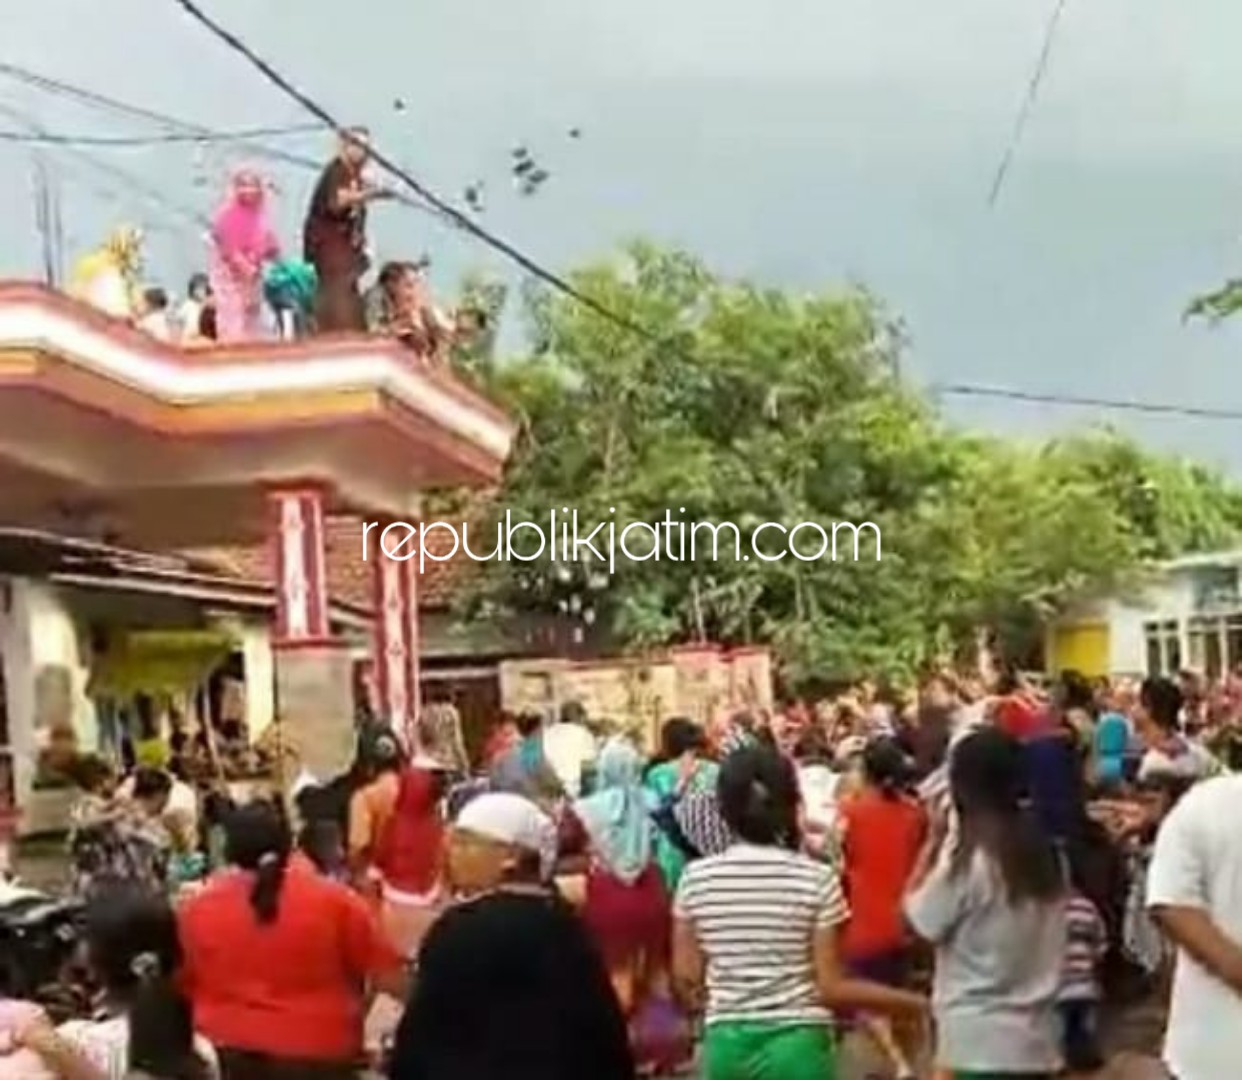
<point x="1187" y="613"/>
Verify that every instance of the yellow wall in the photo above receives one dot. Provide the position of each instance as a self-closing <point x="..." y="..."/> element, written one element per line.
<point x="1083" y="647"/>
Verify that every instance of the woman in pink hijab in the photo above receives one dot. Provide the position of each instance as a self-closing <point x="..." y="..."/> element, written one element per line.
<point x="242" y="240"/>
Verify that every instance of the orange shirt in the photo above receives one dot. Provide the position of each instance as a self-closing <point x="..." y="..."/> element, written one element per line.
<point x="882" y="842"/>
<point x="292" y="988"/>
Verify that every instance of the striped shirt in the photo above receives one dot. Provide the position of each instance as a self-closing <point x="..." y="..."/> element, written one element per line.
<point x="1085" y="943"/>
<point x="754" y="911"/>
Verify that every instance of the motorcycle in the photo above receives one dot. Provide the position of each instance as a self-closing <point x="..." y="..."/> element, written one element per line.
<point x="39" y="946"/>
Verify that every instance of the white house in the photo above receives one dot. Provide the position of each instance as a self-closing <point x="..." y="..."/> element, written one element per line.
<point x="1187" y="614"/>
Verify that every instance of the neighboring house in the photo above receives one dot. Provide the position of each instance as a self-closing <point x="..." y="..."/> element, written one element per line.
<point x="1188" y="614"/>
<point x="65" y="603"/>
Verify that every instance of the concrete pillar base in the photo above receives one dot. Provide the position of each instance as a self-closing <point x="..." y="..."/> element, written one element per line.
<point x="315" y="704"/>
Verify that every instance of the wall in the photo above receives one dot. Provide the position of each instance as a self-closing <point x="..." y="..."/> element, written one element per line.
<point x="643" y="692"/>
<point x="37" y="630"/>
<point x="1171" y="596"/>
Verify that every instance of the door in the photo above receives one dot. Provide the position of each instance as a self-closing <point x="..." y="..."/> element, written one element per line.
<point x="1082" y="647"/>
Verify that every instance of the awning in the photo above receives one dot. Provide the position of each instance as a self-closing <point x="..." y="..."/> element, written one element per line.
<point x="159" y="662"/>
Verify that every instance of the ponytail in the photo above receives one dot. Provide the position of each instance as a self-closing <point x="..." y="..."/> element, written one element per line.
<point x="269" y="878"/>
<point x="161" y="1025"/>
<point x="257" y="839"/>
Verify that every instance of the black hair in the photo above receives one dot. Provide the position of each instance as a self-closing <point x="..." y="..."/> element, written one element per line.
<point x="758" y="793"/>
<point x="321" y="841"/>
<point x="257" y="839"/>
<point x="573" y="712"/>
<point x="134" y="950"/>
<point x="813" y="747"/>
<point x="1162" y="699"/>
<point x="151" y="783"/>
<point x="198" y="281"/>
<point x="681" y="736"/>
<point x="390" y="273"/>
<point x="155" y="298"/>
<point x="885" y="767"/>
<point x="528" y="723"/>
<point x="988" y="782"/>
<point x="90" y="772"/>
<point x="1075" y="692"/>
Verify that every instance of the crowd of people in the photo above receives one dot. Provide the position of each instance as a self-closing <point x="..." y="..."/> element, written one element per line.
<point x="967" y="880"/>
<point x="253" y="288"/>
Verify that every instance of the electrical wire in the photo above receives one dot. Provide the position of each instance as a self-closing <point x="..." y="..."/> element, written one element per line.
<point x="457" y="217"/>
<point x="50" y="138"/>
<point x="196" y="132"/>
<point x="1160" y="408"/>
<point x="128" y="180"/>
<point x="190" y="132"/>
<point x="1028" y="102"/>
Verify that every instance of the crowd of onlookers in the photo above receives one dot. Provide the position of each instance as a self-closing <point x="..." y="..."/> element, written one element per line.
<point x="575" y="906"/>
<point x="255" y="289"/>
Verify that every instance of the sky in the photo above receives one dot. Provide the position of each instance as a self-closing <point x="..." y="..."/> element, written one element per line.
<point x="804" y="144"/>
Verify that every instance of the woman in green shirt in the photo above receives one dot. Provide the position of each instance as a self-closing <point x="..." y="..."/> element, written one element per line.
<point x="681" y="769"/>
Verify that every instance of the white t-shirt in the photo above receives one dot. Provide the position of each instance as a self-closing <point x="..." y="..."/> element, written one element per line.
<point x="568" y="748"/>
<point x="818" y="785"/>
<point x="755" y="911"/>
<point x="1198" y="864"/>
<point x="105" y="1043"/>
<point x="1192" y="761"/>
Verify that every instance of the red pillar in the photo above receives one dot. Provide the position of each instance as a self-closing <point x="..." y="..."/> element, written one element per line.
<point x="297" y="533"/>
<point x="394" y="584"/>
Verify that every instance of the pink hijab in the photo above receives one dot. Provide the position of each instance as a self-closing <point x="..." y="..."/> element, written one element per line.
<point x="242" y="228"/>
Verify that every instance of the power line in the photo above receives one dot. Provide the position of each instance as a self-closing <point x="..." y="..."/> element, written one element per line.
<point x="129" y="182"/>
<point x="192" y="132"/>
<point x="50" y="138"/>
<point x="457" y="217"/>
<point x="1161" y="408"/>
<point x="1028" y="102"/>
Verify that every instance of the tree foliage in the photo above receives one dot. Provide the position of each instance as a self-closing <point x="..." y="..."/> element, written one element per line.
<point x="749" y="405"/>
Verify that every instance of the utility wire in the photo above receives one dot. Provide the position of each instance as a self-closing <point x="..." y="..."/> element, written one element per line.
<point x="457" y="217"/>
<point x="1028" y="102"/>
<point x="1162" y="408"/>
<point x="50" y="138"/>
<point x="128" y="181"/>
<point x="197" y="132"/>
<point x="191" y="132"/>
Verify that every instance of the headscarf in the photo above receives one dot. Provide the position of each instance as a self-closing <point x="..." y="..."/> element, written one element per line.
<point x="616" y="817"/>
<point x="107" y="278"/>
<point x="239" y="227"/>
<point x="124" y="245"/>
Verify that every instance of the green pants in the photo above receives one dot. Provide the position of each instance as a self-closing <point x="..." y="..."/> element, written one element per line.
<point x="968" y="1074"/>
<point x="769" y="1052"/>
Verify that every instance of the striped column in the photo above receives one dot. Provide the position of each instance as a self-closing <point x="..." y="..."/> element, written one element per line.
<point x="297" y="534"/>
<point x="394" y="586"/>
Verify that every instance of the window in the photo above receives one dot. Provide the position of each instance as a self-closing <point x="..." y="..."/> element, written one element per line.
<point x="1164" y="646"/>
<point x="1216" y="587"/>
<point x="1233" y="643"/>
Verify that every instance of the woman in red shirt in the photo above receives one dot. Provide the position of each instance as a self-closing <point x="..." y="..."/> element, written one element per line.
<point x="279" y="959"/>
<point x="883" y="830"/>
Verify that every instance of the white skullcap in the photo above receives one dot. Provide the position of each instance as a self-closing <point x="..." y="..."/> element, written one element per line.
<point x="511" y="819"/>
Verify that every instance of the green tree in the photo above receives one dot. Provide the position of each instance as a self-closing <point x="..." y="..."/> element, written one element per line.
<point x="749" y="405"/>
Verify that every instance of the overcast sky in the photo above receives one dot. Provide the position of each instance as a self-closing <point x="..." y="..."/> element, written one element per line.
<point x="801" y="143"/>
